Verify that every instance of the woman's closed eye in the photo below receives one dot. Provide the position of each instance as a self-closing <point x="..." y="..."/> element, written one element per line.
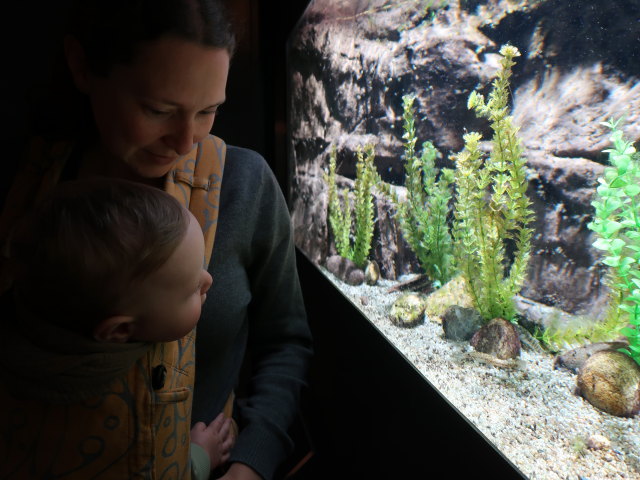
<point x="214" y="111"/>
<point x="156" y="112"/>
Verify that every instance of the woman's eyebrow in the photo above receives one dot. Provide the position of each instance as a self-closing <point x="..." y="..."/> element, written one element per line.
<point x="176" y="104"/>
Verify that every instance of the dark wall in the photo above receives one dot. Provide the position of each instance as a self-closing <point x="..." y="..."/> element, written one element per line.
<point x="27" y="56"/>
<point x="254" y="115"/>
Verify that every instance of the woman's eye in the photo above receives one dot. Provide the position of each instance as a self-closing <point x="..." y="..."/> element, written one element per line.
<point x="156" y="112"/>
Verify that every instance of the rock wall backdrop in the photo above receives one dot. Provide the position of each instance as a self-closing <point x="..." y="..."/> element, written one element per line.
<point x="350" y="63"/>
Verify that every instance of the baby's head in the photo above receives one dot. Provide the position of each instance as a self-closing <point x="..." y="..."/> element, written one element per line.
<point x="114" y="260"/>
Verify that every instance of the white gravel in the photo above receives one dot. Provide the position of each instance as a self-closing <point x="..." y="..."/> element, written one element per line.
<point x="529" y="412"/>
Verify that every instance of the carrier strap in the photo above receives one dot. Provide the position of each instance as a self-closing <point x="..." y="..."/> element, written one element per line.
<point x="195" y="181"/>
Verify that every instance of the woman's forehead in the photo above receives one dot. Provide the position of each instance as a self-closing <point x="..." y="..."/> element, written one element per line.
<point x="175" y="70"/>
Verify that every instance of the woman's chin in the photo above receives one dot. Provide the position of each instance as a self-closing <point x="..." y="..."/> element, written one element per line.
<point x="151" y="170"/>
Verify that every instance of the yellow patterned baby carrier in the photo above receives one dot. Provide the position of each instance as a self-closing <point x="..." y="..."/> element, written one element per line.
<point x="140" y="428"/>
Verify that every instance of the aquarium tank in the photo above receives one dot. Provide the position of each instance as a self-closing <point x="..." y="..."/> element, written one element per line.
<point x="465" y="173"/>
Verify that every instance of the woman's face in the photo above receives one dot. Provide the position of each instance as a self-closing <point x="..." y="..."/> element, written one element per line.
<point x="153" y="111"/>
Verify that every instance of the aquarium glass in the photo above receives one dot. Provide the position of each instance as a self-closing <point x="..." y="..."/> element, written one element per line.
<point x="465" y="173"/>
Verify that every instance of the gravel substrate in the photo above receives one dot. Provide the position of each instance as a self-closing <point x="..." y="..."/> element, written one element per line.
<point x="528" y="411"/>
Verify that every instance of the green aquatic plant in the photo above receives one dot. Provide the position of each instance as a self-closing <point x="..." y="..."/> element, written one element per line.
<point x="492" y="212"/>
<point x="423" y="215"/>
<point x="558" y="337"/>
<point x="340" y="217"/>
<point x="579" y="445"/>
<point x="617" y="225"/>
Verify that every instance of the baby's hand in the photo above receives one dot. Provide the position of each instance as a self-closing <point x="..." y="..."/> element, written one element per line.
<point x="217" y="439"/>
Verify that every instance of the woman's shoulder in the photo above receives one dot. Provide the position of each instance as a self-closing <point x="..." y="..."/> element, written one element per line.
<point x="247" y="166"/>
<point x="247" y="175"/>
<point x="245" y="158"/>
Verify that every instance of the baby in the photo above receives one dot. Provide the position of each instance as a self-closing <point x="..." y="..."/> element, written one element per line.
<point x="101" y="269"/>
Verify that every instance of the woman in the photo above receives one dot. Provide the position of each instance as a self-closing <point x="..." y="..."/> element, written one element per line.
<point x="143" y="83"/>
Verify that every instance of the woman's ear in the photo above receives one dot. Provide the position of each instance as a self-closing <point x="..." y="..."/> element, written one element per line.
<point x="116" y="329"/>
<point x="77" y="62"/>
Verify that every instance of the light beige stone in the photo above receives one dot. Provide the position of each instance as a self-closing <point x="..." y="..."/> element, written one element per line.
<point x="610" y="381"/>
<point x="598" y="442"/>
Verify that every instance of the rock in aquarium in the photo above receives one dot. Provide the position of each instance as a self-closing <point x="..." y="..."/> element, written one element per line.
<point x="574" y="359"/>
<point x="345" y="270"/>
<point x="610" y="381"/>
<point x="498" y="338"/>
<point x="460" y="323"/>
<point x="408" y="310"/>
<point x="372" y="273"/>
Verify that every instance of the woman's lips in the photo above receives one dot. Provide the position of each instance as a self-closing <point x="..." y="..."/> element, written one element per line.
<point x="161" y="159"/>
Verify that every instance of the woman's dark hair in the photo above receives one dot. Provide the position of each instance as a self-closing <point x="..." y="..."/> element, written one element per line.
<point x="110" y="32"/>
<point x="87" y="243"/>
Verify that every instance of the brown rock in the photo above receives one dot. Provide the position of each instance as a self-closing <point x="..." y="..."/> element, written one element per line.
<point x="355" y="277"/>
<point x="345" y="270"/>
<point x="573" y="359"/>
<point x="499" y="338"/>
<point x="610" y="381"/>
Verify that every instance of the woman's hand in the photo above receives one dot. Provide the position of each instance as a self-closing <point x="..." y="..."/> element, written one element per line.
<point x="217" y="439"/>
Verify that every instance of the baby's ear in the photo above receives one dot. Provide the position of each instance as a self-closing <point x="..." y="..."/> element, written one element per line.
<point x="116" y="329"/>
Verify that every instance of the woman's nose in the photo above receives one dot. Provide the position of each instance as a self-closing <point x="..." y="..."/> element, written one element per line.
<point x="186" y="133"/>
<point x="182" y="138"/>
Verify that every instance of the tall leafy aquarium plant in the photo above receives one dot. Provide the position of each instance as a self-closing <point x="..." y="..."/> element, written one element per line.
<point x="492" y="212"/>
<point x="617" y="225"/>
<point x="423" y="215"/>
<point x="353" y="241"/>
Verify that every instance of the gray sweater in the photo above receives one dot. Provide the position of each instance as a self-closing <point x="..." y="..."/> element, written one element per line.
<point x="255" y="307"/>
